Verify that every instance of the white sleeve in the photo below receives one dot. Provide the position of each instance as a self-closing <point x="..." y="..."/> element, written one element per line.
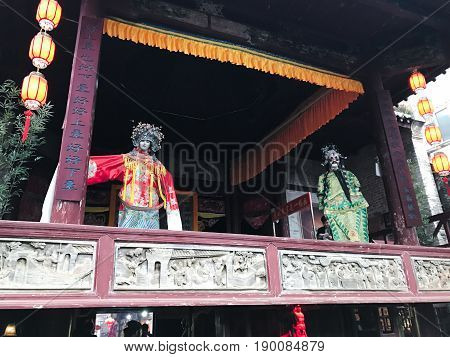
<point x="174" y="220"/>
<point x="48" y="202"/>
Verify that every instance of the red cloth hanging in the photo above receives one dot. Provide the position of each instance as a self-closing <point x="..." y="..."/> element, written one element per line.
<point x="26" y="128"/>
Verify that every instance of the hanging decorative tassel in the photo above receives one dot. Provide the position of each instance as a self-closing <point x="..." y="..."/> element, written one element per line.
<point x="26" y="128"/>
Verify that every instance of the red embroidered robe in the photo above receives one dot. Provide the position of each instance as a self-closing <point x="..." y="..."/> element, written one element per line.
<point x="147" y="185"/>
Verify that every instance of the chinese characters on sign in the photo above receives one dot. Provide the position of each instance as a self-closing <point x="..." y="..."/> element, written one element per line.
<point x="78" y="123"/>
<point x="296" y="205"/>
<point x="302" y="207"/>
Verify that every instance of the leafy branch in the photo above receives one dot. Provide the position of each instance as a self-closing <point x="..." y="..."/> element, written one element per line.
<point x="15" y="156"/>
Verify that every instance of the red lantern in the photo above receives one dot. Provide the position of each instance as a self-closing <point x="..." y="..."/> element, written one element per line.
<point x="34" y="90"/>
<point x="433" y="134"/>
<point x="441" y="164"/>
<point x="48" y="14"/>
<point x="417" y="82"/>
<point x="425" y="108"/>
<point x="42" y="50"/>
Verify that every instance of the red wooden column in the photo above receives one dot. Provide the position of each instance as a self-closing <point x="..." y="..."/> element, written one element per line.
<point x="397" y="180"/>
<point x="70" y="192"/>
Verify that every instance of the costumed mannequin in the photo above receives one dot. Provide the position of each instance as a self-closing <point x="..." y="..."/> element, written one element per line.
<point x="147" y="185"/>
<point x="341" y="200"/>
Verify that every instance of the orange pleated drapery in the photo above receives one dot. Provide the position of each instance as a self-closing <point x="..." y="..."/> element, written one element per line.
<point x="280" y="143"/>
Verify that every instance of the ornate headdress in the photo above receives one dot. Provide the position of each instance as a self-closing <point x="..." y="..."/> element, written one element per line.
<point x="326" y="151"/>
<point x="145" y="131"/>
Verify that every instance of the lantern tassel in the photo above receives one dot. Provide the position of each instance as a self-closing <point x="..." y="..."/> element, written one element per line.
<point x="26" y="128"/>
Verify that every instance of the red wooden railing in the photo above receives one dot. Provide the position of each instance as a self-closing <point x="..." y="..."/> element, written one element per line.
<point x="103" y="295"/>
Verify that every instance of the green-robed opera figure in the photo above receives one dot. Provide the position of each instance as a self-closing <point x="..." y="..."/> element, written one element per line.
<point x="341" y="200"/>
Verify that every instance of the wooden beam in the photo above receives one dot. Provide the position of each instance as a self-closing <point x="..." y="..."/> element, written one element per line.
<point x="400" y="194"/>
<point x="302" y="46"/>
<point x="70" y="192"/>
<point x="414" y="15"/>
<point x="401" y="60"/>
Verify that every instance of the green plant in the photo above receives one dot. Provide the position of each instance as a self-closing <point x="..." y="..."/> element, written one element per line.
<point x="15" y="155"/>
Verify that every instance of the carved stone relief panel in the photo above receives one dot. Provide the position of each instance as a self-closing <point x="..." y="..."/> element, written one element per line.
<point x="163" y="267"/>
<point x="31" y="264"/>
<point x="432" y="273"/>
<point x="302" y="270"/>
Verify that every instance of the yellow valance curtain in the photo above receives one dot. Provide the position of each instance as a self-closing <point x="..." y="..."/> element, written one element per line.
<point x="225" y="52"/>
<point x="341" y="91"/>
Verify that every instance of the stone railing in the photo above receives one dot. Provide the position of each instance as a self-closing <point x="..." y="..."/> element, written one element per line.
<point x="46" y="265"/>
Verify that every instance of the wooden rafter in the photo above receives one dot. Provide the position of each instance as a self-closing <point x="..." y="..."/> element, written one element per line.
<point x="415" y="15"/>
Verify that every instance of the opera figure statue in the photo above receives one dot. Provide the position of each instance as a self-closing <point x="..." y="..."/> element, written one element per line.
<point x="341" y="200"/>
<point x="147" y="185"/>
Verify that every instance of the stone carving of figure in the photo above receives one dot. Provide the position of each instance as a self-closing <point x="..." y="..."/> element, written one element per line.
<point x="147" y="185"/>
<point x="341" y="200"/>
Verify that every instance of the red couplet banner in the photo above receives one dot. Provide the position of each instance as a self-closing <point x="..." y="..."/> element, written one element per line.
<point x="303" y="225"/>
<point x="299" y="204"/>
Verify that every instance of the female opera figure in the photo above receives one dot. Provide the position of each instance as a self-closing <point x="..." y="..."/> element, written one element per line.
<point x="341" y="200"/>
<point x="147" y="185"/>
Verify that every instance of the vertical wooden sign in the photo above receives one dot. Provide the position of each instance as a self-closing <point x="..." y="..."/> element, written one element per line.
<point x="76" y="141"/>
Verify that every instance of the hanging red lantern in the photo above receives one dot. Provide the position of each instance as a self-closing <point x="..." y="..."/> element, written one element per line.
<point x="433" y="134"/>
<point x="42" y="50"/>
<point x="425" y="108"/>
<point x="34" y="90"/>
<point x="417" y="82"/>
<point x="441" y="164"/>
<point x="48" y="14"/>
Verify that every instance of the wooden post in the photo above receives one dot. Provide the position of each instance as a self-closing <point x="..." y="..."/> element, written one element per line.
<point x="70" y="192"/>
<point x="398" y="184"/>
<point x="282" y="227"/>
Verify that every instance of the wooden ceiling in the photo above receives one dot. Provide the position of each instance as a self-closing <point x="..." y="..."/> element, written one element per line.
<point x="336" y="35"/>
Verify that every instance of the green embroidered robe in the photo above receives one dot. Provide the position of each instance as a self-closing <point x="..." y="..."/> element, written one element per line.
<point x="348" y="220"/>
